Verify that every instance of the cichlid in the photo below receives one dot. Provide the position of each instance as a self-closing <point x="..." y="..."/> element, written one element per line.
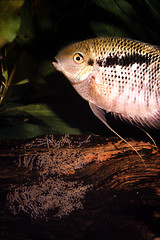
<point x="115" y="75"/>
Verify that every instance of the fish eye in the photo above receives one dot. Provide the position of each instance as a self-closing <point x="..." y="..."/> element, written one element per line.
<point x="78" y="58"/>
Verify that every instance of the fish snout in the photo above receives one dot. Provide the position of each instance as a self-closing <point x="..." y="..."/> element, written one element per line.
<point x="55" y="60"/>
<point x="57" y="64"/>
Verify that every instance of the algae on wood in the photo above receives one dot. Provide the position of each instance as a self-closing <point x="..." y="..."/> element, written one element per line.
<point x="79" y="187"/>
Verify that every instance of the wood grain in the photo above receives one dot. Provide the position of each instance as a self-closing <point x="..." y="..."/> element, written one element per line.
<point x="79" y="187"/>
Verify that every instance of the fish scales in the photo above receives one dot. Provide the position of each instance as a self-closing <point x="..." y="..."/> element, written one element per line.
<point x="116" y="75"/>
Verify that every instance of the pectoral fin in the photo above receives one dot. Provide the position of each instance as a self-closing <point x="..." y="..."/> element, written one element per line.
<point x="100" y="113"/>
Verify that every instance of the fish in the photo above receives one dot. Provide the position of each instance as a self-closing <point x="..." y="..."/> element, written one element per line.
<point x="116" y="75"/>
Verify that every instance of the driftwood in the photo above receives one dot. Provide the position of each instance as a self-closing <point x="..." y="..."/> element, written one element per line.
<point x="79" y="187"/>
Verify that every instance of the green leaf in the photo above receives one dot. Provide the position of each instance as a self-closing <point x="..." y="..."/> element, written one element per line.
<point x="5" y="75"/>
<point x="154" y="7"/>
<point x="22" y="122"/>
<point x="40" y="100"/>
<point x="26" y="33"/>
<point x="106" y="29"/>
<point x="24" y="81"/>
<point x="9" y="20"/>
<point x="133" y="19"/>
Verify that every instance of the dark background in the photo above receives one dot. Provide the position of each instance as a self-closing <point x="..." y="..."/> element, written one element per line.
<point x="40" y="100"/>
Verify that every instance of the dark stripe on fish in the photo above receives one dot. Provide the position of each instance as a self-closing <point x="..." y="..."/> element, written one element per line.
<point x="90" y="62"/>
<point x="124" y="60"/>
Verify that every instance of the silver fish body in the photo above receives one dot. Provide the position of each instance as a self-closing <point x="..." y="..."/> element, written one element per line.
<point x="115" y="75"/>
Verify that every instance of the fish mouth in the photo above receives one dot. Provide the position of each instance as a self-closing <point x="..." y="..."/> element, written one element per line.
<point x="55" y="60"/>
<point x="56" y="63"/>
